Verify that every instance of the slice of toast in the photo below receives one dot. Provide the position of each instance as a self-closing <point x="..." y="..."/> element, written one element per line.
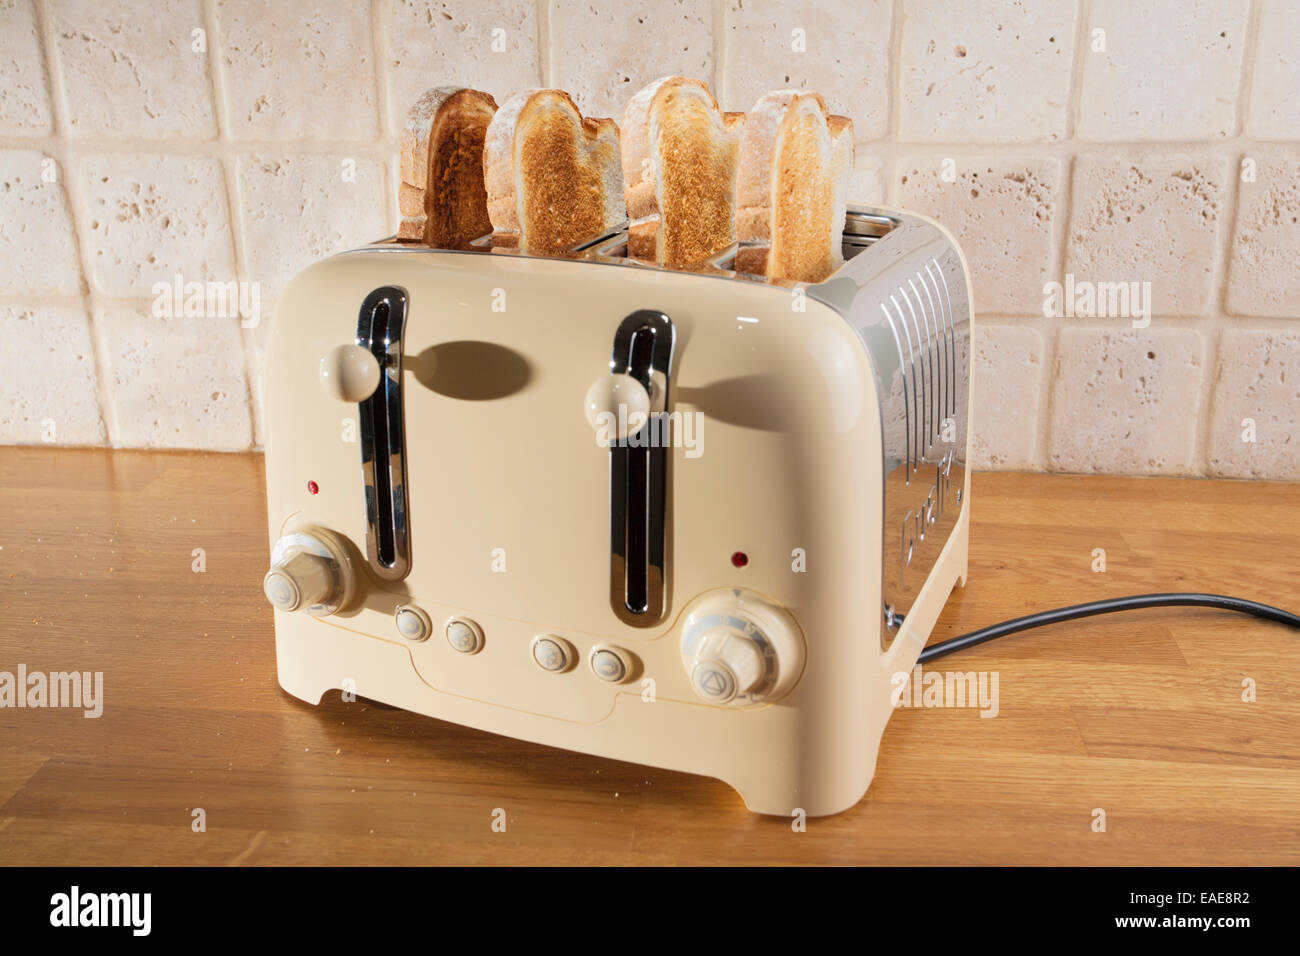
<point x="553" y="177"/>
<point x="442" y="198"/>
<point x="679" y="163"/>
<point x="792" y="187"/>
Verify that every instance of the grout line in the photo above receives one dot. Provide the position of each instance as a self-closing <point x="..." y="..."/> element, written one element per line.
<point x="544" y="64"/>
<point x="1212" y="338"/>
<point x="55" y="146"/>
<point x="718" y="26"/>
<point x="889" y="166"/>
<point x="1050" y="329"/>
<point x="234" y="204"/>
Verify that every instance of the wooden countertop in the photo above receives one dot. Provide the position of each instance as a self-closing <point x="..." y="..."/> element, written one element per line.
<point x="1139" y="713"/>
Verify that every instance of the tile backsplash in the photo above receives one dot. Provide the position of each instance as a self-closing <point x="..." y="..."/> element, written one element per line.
<point x="1089" y="143"/>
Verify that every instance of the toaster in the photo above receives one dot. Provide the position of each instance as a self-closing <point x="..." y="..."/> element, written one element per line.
<point x="689" y="518"/>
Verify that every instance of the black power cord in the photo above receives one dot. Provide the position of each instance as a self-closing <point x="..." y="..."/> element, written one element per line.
<point x="1187" y="599"/>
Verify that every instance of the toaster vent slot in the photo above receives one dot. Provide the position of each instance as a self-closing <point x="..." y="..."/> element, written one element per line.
<point x="920" y="319"/>
<point x="383" y="444"/>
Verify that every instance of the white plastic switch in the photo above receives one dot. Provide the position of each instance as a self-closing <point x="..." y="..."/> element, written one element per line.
<point x="617" y="405"/>
<point x="464" y="635"/>
<point x="412" y="623"/>
<point x="349" y="373"/>
<point x="552" y="653"/>
<point x="608" y="664"/>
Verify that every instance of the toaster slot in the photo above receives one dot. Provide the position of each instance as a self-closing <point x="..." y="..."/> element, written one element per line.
<point x="638" y="474"/>
<point x="863" y="229"/>
<point x="383" y="440"/>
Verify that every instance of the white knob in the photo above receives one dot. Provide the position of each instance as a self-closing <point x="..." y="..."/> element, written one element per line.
<point x="349" y="373"/>
<point x="740" y="648"/>
<point x="727" y="664"/>
<point x="301" y="580"/>
<point x="617" y="406"/>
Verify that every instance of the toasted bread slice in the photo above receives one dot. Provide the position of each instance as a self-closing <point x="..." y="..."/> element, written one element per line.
<point x="553" y="177"/>
<point x="442" y="198"/>
<point x="679" y="163"/>
<point x="792" y="188"/>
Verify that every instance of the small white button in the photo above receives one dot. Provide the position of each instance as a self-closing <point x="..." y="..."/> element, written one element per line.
<point x="412" y="623"/>
<point x="464" y="635"/>
<point x="608" y="665"/>
<point x="551" y="653"/>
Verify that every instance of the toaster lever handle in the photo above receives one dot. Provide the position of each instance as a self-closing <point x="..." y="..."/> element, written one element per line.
<point x="349" y="373"/>
<point x="617" y="405"/>
<point x="640" y="368"/>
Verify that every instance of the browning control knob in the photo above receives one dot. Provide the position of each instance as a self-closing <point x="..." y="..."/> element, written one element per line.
<point x="301" y="580"/>
<point x="740" y="648"/>
<point x="312" y="571"/>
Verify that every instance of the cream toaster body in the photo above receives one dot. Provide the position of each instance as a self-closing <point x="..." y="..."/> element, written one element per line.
<point x="687" y="519"/>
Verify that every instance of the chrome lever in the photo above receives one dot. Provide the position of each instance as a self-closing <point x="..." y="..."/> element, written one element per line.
<point x="638" y="473"/>
<point x="383" y="436"/>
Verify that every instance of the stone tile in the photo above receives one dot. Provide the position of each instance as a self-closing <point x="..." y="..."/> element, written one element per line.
<point x="1170" y="70"/>
<point x="24" y="96"/>
<point x="151" y="218"/>
<point x="298" y="69"/>
<point x="1001" y="211"/>
<point x="133" y="71"/>
<point x="47" y="378"/>
<point x="841" y="52"/>
<point x="1008" y="375"/>
<point x="1258" y="379"/>
<point x="1150" y="219"/>
<point x="1274" y="105"/>
<point x="298" y="209"/>
<point x="867" y="183"/>
<point x="993" y="72"/>
<point x="38" y="249"/>
<point x="603" y="53"/>
<point x="1264" y="270"/>
<point x="1125" y="401"/>
<point x="488" y="47"/>
<point x="177" y="382"/>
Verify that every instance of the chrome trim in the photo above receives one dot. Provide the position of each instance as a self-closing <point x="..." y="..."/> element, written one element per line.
<point x="638" y="474"/>
<point x="907" y="302"/>
<point x="383" y="439"/>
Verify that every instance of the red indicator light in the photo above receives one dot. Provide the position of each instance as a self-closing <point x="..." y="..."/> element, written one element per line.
<point x="312" y="487"/>
<point x="740" y="559"/>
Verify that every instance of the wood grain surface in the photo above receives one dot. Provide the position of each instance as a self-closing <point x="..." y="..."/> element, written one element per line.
<point x="1140" y="714"/>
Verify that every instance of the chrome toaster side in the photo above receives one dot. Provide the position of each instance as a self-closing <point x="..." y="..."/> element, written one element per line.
<point x="723" y="581"/>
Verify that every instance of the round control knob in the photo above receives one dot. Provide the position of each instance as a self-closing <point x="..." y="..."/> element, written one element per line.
<point x="301" y="580"/>
<point x="727" y="664"/>
<point x="349" y="373"/>
<point x="312" y="570"/>
<point x="617" y="406"/>
<point x="740" y="648"/>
